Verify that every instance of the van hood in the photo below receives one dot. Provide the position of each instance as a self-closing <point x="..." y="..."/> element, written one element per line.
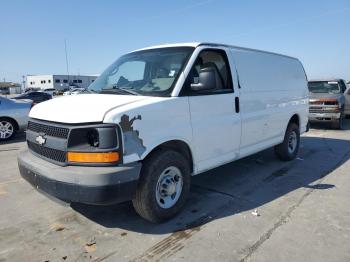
<point x="324" y="95"/>
<point x="84" y="108"/>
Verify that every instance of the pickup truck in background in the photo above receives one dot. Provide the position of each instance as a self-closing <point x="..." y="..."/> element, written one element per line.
<point x="158" y="116"/>
<point x="347" y="101"/>
<point x="328" y="101"/>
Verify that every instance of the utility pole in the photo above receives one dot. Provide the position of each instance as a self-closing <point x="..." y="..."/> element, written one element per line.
<point x="24" y="83"/>
<point x="65" y="49"/>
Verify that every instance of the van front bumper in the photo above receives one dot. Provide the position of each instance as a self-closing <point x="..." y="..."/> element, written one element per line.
<point x="320" y="117"/>
<point x="82" y="184"/>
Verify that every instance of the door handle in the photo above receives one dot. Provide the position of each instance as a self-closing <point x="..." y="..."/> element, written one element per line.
<point x="237" y="104"/>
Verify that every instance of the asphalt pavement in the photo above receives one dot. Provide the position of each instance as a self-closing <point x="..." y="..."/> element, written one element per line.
<point x="254" y="209"/>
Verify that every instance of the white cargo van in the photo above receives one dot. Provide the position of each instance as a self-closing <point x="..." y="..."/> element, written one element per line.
<point x="159" y="115"/>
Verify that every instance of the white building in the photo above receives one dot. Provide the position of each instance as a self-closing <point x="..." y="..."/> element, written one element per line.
<point x="59" y="82"/>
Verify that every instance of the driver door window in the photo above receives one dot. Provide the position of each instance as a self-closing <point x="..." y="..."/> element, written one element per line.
<point x="217" y="61"/>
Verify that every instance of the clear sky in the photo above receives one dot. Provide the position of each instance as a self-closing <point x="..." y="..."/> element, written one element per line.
<point x="32" y="33"/>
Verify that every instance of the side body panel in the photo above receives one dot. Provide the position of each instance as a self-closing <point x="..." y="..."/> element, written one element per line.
<point x="273" y="89"/>
<point x="216" y="130"/>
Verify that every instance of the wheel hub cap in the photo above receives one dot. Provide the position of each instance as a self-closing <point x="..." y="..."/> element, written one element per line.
<point x="169" y="187"/>
<point x="6" y="129"/>
<point x="292" y="142"/>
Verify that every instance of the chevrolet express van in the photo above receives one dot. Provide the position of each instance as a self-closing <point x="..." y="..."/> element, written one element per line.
<point x="158" y="116"/>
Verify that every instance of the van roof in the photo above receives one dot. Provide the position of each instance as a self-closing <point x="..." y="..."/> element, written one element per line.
<point x="326" y="80"/>
<point x="196" y="44"/>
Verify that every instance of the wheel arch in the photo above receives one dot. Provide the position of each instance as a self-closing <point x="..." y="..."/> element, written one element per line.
<point x="295" y="119"/>
<point x="177" y="145"/>
<point x="12" y="119"/>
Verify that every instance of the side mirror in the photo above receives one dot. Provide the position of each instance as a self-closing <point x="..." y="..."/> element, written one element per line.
<point x="207" y="80"/>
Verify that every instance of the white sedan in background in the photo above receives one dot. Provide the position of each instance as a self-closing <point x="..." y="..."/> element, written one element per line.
<point x="74" y="91"/>
<point x="13" y="116"/>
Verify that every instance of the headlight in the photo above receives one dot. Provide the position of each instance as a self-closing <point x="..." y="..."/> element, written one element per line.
<point x="96" y="144"/>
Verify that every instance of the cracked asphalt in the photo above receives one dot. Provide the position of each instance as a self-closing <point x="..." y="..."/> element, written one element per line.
<point x="254" y="209"/>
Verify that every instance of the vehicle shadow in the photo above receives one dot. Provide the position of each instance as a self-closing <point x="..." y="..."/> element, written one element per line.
<point x="328" y="126"/>
<point x="246" y="184"/>
<point x="19" y="137"/>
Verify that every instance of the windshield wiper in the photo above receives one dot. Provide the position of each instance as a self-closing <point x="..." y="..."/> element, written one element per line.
<point x="118" y="89"/>
<point x="128" y="90"/>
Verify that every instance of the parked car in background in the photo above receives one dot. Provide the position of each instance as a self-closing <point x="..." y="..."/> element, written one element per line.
<point x="60" y="92"/>
<point x="159" y="115"/>
<point x="327" y="101"/>
<point x="50" y="91"/>
<point x="75" y="91"/>
<point x="67" y="93"/>
<point x="13" y="117"/>
<point x="32" y="89"/>
<point x="4" y="91"/>
<point x="36" y="97"/>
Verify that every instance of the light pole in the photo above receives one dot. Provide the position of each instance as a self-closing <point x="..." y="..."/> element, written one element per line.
<point x="23" y="83"/>
<point x="65" y="50"/>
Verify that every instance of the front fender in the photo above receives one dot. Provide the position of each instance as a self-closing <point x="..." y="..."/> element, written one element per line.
<point x="150" y="124"/>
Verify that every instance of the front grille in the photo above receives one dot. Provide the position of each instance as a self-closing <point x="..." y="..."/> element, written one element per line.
<point x="50" y="153"/>
<point x="330" y="103"/>
<point x="324" y="103"/>
<point x="54" y="131"/>
<point x="316" y="111"/>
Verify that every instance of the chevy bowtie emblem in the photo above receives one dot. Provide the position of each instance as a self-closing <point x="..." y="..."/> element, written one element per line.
<point x="40" y="140"/>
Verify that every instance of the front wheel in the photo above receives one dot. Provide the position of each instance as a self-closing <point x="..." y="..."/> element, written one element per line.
<point x="7" y="129"/>
<point x="288" y="149"/>
<point x="163" y="187"/>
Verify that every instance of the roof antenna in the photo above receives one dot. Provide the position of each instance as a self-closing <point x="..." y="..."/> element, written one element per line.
<point x="65" y="49"/>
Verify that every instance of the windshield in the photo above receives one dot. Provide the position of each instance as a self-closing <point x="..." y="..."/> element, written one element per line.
<point x="324" y="87"/>
<point x="150" y="72"/>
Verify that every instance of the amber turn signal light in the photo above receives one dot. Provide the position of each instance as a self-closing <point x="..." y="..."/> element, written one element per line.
<point x="81" y="157"/>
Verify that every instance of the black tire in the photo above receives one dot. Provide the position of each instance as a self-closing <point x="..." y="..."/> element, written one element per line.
<point x="145" y="201"/>
<point x="13" y="125"/>
<point x="338" y="124"/>
<point x="283" y="150"/>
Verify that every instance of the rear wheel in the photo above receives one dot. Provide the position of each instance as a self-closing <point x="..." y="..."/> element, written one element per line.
<point x="288" y="149"/>
<point x="7" y="129"/>
<point x="163" y="187"/>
